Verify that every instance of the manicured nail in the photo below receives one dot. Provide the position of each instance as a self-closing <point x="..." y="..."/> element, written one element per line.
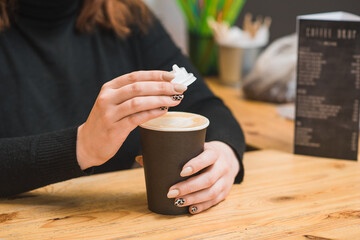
<point x="173" y="193"/>
<point x="179" y="202"/>
<point x="168" y="76"/>
<point x="163" y="108"/>
<point x="193" y="209"/>
<point x="186" y="172"/>
<point x="180" y="88"/>
<point x="177" y="97"/>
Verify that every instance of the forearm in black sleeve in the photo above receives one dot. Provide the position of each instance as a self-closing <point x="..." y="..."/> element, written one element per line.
<point x="159" y="52"/>
<point x="31" y="162"/>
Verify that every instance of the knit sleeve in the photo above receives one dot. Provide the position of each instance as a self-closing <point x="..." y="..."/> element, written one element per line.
<point x="35" y="161"/>
<point x="159" y="52"/>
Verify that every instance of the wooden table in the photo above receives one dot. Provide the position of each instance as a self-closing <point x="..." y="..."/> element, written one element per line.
<point x="283" y="197"/>
<point x="263" y="127"/>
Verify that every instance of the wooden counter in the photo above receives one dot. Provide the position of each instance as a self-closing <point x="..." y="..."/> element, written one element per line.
<point x="283" y="197"/>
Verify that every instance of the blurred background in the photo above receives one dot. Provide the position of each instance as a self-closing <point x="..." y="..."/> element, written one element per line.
<point x="256" y="53"/>
<point x="282" y="12"/>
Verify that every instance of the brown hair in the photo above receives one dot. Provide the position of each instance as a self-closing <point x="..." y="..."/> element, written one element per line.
<point x="117" y="15"/>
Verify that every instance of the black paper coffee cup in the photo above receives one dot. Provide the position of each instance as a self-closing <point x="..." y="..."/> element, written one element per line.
<point x="168" y="142"/>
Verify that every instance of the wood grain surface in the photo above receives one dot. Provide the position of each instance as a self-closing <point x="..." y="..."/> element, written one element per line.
<point x="283" y="197"/>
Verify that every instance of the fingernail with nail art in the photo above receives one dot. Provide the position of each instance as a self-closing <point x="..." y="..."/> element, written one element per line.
<point x="177" y="97"/>
<point x="193" y="209"/>
<point x="179" y="202"/>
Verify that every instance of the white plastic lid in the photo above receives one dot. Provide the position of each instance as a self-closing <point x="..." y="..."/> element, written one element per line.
<point x="182" y="76"/>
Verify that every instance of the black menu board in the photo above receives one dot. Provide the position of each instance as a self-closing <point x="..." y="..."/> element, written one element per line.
<point x="328" y="85"/>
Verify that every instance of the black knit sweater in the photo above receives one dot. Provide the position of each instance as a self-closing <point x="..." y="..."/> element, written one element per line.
<point x="50" y="76"/>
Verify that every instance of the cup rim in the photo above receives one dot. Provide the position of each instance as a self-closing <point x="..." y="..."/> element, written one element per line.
<point x="201" y="127"/>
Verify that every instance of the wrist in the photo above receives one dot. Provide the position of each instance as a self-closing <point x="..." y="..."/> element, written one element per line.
<point x="83" y="151"/>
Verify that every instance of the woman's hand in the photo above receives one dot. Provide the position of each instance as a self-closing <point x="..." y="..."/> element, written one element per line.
<point x="219" y="166"/>
<point x="122" y="105"/>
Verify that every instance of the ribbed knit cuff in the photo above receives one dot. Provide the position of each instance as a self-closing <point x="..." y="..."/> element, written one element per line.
<point x="56" y="156"/>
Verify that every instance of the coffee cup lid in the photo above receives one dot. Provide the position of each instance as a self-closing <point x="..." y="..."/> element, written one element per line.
<point x="182" y="76"/>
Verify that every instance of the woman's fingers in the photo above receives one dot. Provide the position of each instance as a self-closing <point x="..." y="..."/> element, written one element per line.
<point x="205" y="159"/>
<point x="156" y="95"/>
<point x="203" y="191"/>
<point x="198" y="208"/>
<point x="205" y="180"/>
<point x="139" y="89"/>
<point x="204" y="195"/>
<point x="141" y="104"/>
<point x="139" y="76"/>
<point x="132" y="121"/>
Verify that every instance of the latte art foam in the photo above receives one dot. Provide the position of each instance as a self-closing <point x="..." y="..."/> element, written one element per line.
<point x="177" y="121"/>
